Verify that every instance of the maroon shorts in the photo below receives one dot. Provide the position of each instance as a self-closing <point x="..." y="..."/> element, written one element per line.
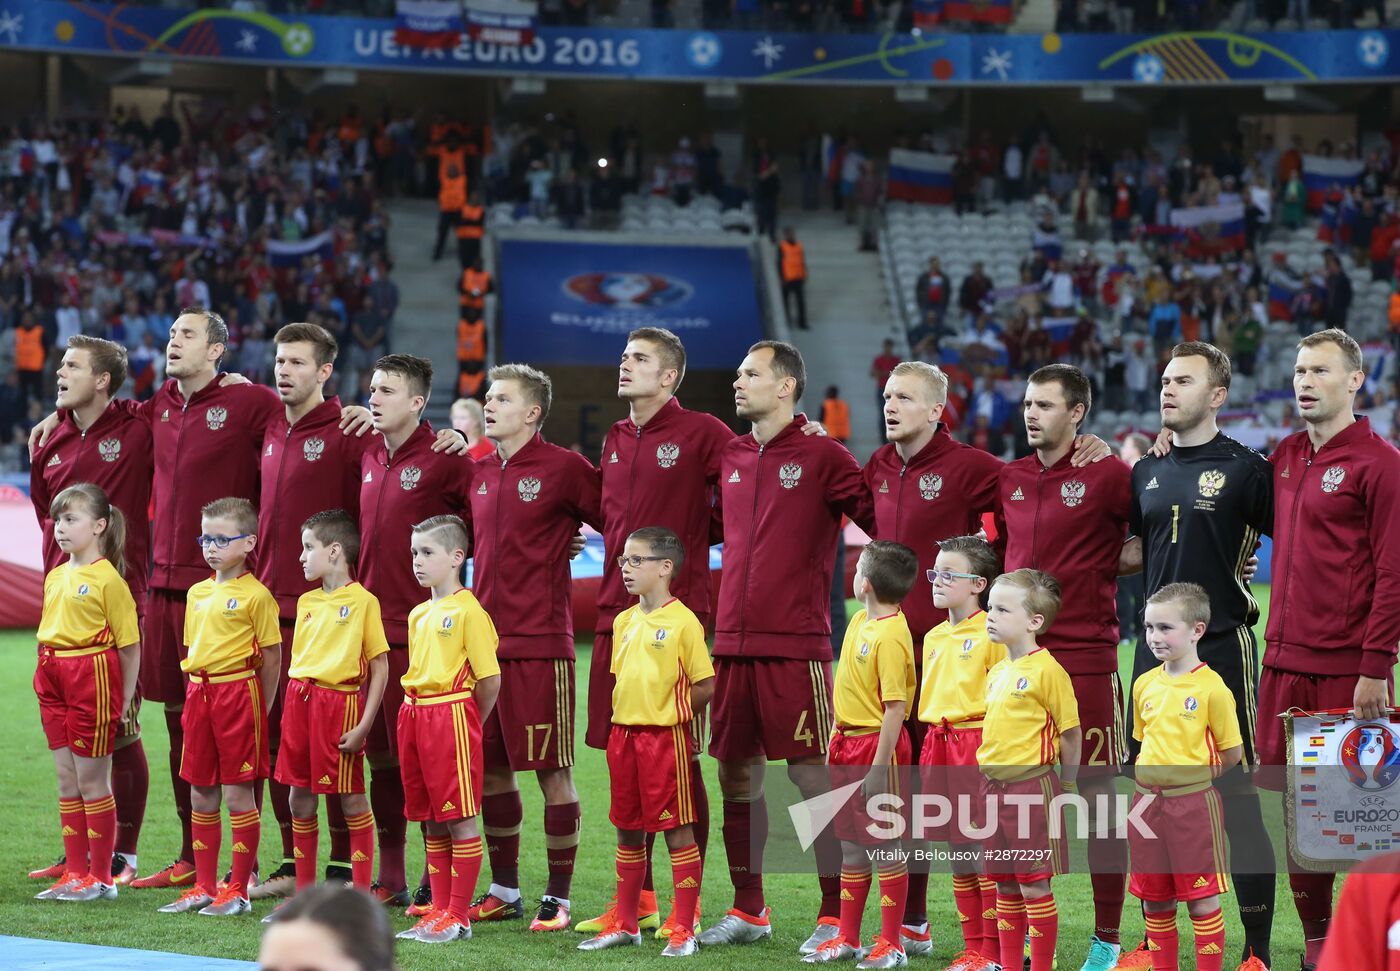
<point x="1100" y="699"/>
<point x="225" y="725"/>
<point x="274" y="714"/>
<point x="314" y="718"/>
<point x="1023" y="850"/>
<point x="440" y="758"/>
<point x="649" y="771"/>
<point x="770" y="707"/>
<point x="383" y="737"/>
<point x="532" y="725"/>
<point x="600" y="689"/>
<point x="80" y="699"/>
<point x="129" y="728"/>
<point x="163" y="647"/>
<point x="1278" y="692"/>
<point x="1186" y="860"/>
<point x="849" y="759"/>
<point x="948" y="768"/>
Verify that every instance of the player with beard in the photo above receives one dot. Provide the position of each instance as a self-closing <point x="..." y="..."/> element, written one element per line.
<point x="1197" y="513"/>
<point x="1332" y="632"/>
<point x="110" y="448"/>
<point x="783" y="496"/>
<point x="1072" y="523"/>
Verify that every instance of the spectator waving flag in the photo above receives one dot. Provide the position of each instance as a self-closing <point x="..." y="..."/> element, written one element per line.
<point x="282" y="254"/>
<point x="1321" y="174"/>
<point x="928" y="13"/>
<point x="435" y="24"/>
<point x="921" y="177"/>
<point x="1283" y="287"/>
<point x="979" y="11"/>
<point x="1210" y="230"/>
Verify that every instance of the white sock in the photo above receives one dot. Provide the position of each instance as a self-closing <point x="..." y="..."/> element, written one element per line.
<point x="130" y="858"/>
<point x="504" y="895"/>
<point x="917" y="928"/>
<point x="561" y="901"/>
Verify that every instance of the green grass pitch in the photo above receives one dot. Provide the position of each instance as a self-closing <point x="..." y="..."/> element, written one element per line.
<point x="29" y="838"/>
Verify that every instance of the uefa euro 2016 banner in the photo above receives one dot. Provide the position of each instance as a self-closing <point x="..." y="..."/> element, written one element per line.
<point x="1199" y="57"/>
<point x="575" y="302"/>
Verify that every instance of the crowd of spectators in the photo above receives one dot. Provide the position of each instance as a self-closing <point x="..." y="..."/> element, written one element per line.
<point x="109" y="225"/>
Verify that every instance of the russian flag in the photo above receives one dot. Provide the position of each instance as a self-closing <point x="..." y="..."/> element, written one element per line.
<point x="1060" y="331"/>
<point x="428" y="23"/>
<point x="1211" y="230"/>
<point x="979" y="11"/>
<point x="1282" y="289"/>
<point x="283" y="254"/>
<point x="833" y="155"/>
<point x="1321" y="174"/>
<point x="921" y="177"/>
<point x="928" y="13"/>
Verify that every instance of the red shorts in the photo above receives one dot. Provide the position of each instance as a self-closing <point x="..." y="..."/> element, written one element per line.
<point x="948" y="768"/>
<point x="314" y="718"/>
<point x="163" y="647"/>
<point x="649" y="771"/>
<point x="770" y="707"/>
<point x="532" y="725"/>
<point x="849" y="759"/>
<point x="440" y="758"/>
<point x="383" y="737"/>
<point x="1187" y="859"/>
<point x="274" y="714"/>
<point x="80" y="699"/>
<point x="1280" y="691"/>
<point x="1100" y="699"/>
<point x="1017" y="853"/>
<point x="225" y="725"/>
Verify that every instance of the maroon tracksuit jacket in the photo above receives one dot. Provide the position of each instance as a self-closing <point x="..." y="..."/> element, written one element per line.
<point x="1336" y="566"/>
<point x="782" y="505"/>
<point x="940" y="493"/>
<point x="661" y="474"/>
<point x="115" y="453"/>
<point x="1071" y="523"/>
<point x="396" y="494"/>
<point x="524" y="513"/>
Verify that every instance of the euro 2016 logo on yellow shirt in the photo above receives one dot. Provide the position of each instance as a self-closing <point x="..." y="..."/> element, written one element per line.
<point x="312" y="449"/>
<point x="660" y="639"/>
<point x="667" y="455"/>
<point x="967" y="646"/>
<point x="789" y="475"/>
<point x="1210" y="483"/>
<point x="528" y="489"/>
<point x="83" y="590"/>
<point x="1190" y="704"/>
<point x="1022" y="684"/>
<point x="408" y="478"/>
<point x="344" y="614"/>
<point x="930" y="485"/>
<point x="446" y="629"/>
<point x="864" y="651"/>
<point x="215" y="418"/>
<point x="1072" y="493"/>
<point x="110" y="449"/>
<point x="230" y="605"/>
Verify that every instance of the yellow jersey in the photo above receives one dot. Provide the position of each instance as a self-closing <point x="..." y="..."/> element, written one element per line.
<point x="228" y="625"/>
<point x="1030" y="704"/>
<point x="451" y="646"/>
<point x="876" y="667"/>
<point x="1183" y="723"/>
<point x="957" y="658"/>
<point x="88" y="606"/>
<point x="656" y="658"/>
<point x="337" y="634"/>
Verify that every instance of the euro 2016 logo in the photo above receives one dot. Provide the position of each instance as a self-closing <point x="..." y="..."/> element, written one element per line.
<point x="628" y="291"/>
<point x="1370" y="757"/>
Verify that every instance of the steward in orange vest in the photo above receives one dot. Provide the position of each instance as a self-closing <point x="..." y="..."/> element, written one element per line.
<point x="471" y="226"/>
<point x="792" y="267"/>
<point x="452" y="187"/>
<point x="475" y="285"/>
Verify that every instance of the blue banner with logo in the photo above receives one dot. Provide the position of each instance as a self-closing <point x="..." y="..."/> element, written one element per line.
<point x="1184" y="58"/>
<point x="575" y="303"/>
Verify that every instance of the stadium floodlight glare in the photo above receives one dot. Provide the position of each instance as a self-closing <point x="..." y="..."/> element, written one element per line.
<point x="602" y="163"/>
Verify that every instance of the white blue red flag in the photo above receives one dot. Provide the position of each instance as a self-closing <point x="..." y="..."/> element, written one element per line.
<point x="1210" y="230"/>
<point x="433" y="24"/>
<point x="1321" y="174"/>
<point x="921" y="177"/>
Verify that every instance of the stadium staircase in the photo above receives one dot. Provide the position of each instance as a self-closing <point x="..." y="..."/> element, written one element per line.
<point x="849" y="314"/>
<point x="427" y="317"/>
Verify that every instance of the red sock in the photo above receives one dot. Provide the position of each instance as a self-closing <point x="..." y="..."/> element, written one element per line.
<point x="102" y="836"/>
<point x="686" y="869"/>
<point x="439" y="853"/>
<point x="741" y="819"/>
<point x="827" y="850"/>
<point x="561" y="830"/>
<point x="73" y="821"/>
<point x="1043" y="926"/>
<point x="306" y="838"/>
<point x="967" y="896"/>
<point x="701" y="826"/>
<point x="1011" y="930"/>
<point x="341" y="852"/>
<point x="501" y="818"/>
<point x="1312" y="896"/>
<point x="281" y="797"/>
<point x="207" y="832"/>
<point x="631" y="867"/>
<point x="466" y="867"/>
<point x="990" y="947"/>
<point x="386" y="798"/>
<point x="1210" y="940"/>
<point x="360" y="838"/>
<point x="916" y="906"/>
<point x="894" y="893"/>
<point x="131" y="782"/>
<point x="855" y="887"/>
<point x="1162" y="939"/>
<point x="1111" y="857"/>
<point x="175" y="726"/>
<point x="244" y="832"/>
